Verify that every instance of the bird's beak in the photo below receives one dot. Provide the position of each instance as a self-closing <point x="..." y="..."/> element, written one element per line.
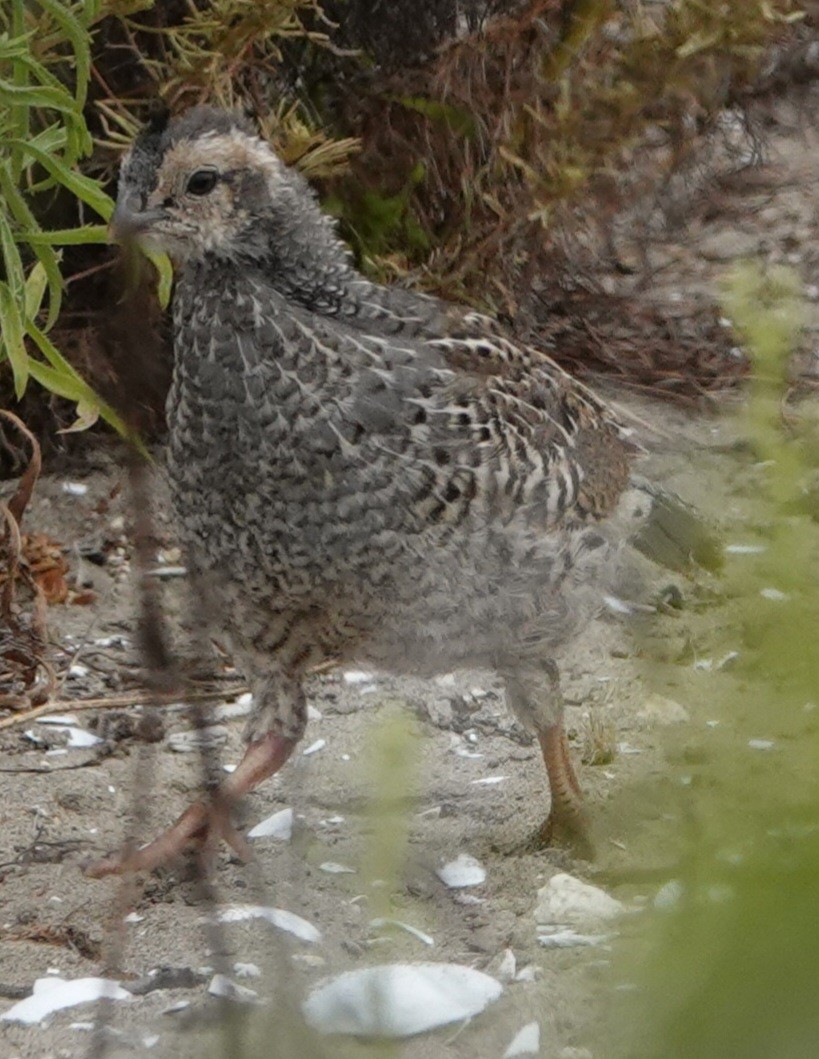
<point x="128" y="221"/>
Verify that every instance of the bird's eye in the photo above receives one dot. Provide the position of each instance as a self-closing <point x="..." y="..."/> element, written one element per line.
<point x="202" y="182"/>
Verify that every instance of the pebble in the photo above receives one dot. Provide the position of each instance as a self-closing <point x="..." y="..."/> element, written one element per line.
<point x="465" y="870"/>
<point x="565" y="899"/>
<point x="660" y="710"/>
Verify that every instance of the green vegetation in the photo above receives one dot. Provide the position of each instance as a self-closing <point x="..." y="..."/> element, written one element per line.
<point x="728" y="971"/>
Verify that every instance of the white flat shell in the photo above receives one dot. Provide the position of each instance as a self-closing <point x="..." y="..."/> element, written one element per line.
<point x="279" y="825"/>
<point x="55" y="994"/>
<point x="400" y="999"/>
<point x="465" y="870"/>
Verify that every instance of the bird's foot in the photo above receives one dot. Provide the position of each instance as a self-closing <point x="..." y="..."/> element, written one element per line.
<point x="569" y="831"/>
<point x="201" y="825"/>
<point x="205" y="822"/>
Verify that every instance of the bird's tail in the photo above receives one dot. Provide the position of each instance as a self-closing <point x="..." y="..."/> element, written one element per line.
<point x="670" y="531"/>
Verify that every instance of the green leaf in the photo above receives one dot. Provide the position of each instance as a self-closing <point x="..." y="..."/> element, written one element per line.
<point x="63" y="379"/>
<point x="40" y="96"/>
<point x="11" y="329"/>
<point x="87" y="415"/>
<point x="36" y="284"/>
<point x="15" y="276"/>
<point x="164" y="268"/>
<point x="79" y="39"/>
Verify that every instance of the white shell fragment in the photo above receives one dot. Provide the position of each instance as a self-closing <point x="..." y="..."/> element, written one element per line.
<point x="525" y="1042"/>
<point x="208" y="738"/>
<point x="669" y="894"/>
<point x="332" y="868"/>
<point x="279" y="826"/>
<point x="503" y="966"/>
<point x="277" y="917"/>
<point x="774" y="594"/>
<point x="75" y="488"/>
<point x="228" y="711"/>
<point x="357" y="676"/>
<point x="55" y="994"/>
<point x="565" y="899"/>
<point x="399" y="1000"/>
<point x="79" y="738"/>
<point x="489" y="781"/>
<point x="465" y="870"/>
<point x="314" y="748"/>
<point x="761" y="744"/>
<point x="565" y="938"/>
<point x="380" y="921"/>
<point x="744" y="549"/>
<point x="221" y="985"/>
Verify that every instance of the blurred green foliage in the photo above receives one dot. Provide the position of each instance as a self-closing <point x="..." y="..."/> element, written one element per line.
<point x="728" y="969"/>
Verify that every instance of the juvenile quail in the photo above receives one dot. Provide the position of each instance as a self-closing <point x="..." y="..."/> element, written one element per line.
<point x="360" y="472"/>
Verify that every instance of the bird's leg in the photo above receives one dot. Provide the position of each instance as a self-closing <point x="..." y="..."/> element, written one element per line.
<point x="204" y="820"/>
<point x="567" y="816"/>
<point x="533" y="692"/>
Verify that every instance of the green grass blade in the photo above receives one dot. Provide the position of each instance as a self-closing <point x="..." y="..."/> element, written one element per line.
<point x="78" y="37"/>
<point x="63" y="379"/>
<point x="11" y="329"/>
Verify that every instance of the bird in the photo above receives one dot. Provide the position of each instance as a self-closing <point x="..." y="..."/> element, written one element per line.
<point x="360" y="472"/>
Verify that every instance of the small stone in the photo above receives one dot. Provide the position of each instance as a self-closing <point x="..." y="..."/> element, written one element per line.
<point x="660" y="710"/>
<point x="565" y="899"/>
<point x="465" y="870"/>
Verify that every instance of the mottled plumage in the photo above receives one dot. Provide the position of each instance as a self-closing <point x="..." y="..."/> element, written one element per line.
<point x="361" y="472"/>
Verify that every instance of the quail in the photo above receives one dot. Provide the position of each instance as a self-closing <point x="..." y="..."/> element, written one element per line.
<point x="360" y="472"/>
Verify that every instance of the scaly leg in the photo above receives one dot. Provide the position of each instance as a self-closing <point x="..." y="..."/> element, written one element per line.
<point x="202" y="821"/>
<point x="567" y="816"/>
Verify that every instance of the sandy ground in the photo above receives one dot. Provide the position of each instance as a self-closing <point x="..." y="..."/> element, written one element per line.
<point x="59" y="809"/>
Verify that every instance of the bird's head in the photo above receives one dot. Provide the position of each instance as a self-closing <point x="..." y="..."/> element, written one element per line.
<point x="199" y="184"/>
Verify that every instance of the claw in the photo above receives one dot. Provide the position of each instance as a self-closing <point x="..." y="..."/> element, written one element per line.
<point x="203" y="822"/>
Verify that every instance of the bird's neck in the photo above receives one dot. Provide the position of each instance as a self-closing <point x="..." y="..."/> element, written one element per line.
<point x="307" y="263"/>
